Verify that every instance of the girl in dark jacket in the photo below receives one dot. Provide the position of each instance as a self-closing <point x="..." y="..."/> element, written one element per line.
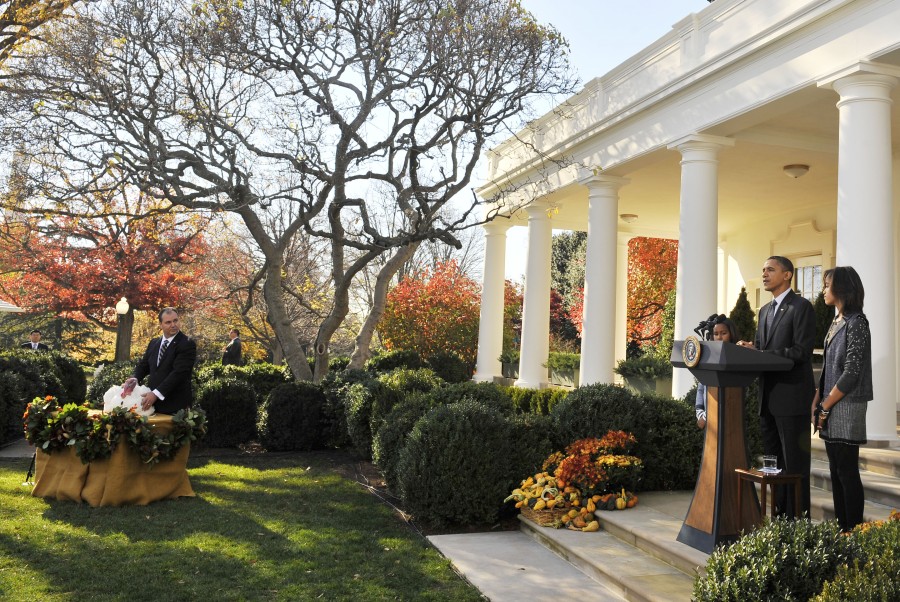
<point x="845" y="388"/>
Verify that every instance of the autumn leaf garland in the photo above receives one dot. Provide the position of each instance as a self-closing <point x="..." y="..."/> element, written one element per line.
<point x="94" y="437"/>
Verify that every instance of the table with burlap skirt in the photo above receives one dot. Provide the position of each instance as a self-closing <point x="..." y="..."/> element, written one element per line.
<point x="120" y="480"/>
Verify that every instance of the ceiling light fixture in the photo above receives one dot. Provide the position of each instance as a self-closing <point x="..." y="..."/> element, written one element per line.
<point x="795" y="170"/>
<point x="628" y="217"/>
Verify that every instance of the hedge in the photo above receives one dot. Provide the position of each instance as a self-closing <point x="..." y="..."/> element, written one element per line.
<point x="458" y="465"/>
<point x="230" y="406"/>
<point x="289" y="417"/>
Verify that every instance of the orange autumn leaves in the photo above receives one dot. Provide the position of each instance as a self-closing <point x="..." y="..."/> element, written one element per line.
<point x="432" y="312"/>
<point x="597" y="465"/>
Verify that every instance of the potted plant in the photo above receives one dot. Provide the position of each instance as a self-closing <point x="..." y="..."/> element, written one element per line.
<point x="564" y="368"/>
<point x="646" y="374"/>
<point x="509" y="364"/>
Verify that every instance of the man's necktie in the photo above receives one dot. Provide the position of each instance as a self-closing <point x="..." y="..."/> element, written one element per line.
<point x="771" y="318"/>
<point x="162" y="351"/>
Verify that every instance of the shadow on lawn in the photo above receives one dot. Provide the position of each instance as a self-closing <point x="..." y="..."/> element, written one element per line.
<point x="263" y="526"/>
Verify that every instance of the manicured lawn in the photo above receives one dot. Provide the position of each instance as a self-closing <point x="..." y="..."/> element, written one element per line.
<point x="262" y="527"/>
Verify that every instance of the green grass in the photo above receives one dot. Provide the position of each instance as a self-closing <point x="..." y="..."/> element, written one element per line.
<point x="268" y="527"/>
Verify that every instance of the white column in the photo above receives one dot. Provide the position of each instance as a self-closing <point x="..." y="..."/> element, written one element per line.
<point x="865" y="223"/>
<point x="696" y="283"/>
<point x="622" y="295"/>
<point x="598" y="334"/>
<point x="490" y="325"/>
<point x="535" y="349"/>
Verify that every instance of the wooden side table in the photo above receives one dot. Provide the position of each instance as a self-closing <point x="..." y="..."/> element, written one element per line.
<point x="767" y="480"/>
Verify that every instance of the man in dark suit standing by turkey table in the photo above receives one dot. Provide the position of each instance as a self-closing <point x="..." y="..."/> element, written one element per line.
<point x="787" y="328"/>
<point x="169" y="362"/>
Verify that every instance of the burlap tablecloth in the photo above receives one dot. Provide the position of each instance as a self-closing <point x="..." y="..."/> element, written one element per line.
<point x="120" y="480"/>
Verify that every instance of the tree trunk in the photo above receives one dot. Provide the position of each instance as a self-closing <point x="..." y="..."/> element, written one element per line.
<point x="277" y="316"/>
<point x="362" y="351"/>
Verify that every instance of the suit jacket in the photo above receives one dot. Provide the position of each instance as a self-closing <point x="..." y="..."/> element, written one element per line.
<point x="41" y="346"/>
<point x="172" y="377"/>
<point x="793" y="335"/>
<point x="232" y="353"/>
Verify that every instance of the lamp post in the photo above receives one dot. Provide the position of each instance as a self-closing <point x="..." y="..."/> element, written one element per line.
<point x="124" y="325"/>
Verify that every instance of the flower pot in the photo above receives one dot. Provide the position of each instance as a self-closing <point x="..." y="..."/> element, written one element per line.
<point x="664" y="386"/>
<point x="510" y="369"/>
<point x="640" y="384"/>
<point x="564" y="378"/>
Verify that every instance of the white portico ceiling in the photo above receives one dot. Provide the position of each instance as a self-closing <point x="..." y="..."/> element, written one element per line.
<point x="798" y="125"/>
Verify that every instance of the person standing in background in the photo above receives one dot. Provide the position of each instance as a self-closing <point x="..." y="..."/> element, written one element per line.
<point x="231" y="353"/>
<point x="845" y="389"/>
<point x="35" y="343"/>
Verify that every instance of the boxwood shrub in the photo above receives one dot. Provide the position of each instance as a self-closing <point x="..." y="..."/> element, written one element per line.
<point x="671" y="445"/>
<point x="487" y="393"/>
<point x="71" y="376"/>
<point x="391" y="436"/>
<point x="391" y="360"/>
<point x="333" y="420"/>
<point x="25" y="375"/>
<point x="450" y="367"/>
<point x="397" y="384"/>
<point x="592" y="410"/>
<point x="358" y="412"/>
<point x="535" y="401"/>
<point x="16" y="392"/>
<point x="289" y="417"/>
<point x="533" y="436"/>
<point x="230" y="406"/>
<point x="668" y="440"/>
<point x="875" y="575"/>
<point x="338" y="362"/>
<point x="784" y="560"/>
<point x="457" y="464"/>
<point x="261" y="376"/>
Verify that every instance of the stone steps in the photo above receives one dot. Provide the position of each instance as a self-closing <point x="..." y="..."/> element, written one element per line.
<point x="636" y="553"/>
<point x="881" y="460"/>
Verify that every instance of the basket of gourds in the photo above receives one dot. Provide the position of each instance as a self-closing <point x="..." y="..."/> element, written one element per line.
<point x="591" y="475"/>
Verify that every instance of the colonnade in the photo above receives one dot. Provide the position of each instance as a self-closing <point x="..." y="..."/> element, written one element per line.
<point x="865" y="230"/>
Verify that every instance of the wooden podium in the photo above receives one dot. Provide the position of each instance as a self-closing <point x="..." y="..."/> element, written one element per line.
<point x="725" y="369"/>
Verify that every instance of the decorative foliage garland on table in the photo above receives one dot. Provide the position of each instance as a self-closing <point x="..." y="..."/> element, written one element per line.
<point x="592" y="474"/>
<point x="51" y="428"/>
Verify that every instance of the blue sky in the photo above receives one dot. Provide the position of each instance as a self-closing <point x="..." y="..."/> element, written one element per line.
<point x="604" y="33"/>
<point x="601" y="35"/>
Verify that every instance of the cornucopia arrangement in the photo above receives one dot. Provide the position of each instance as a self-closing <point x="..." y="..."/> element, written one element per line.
<point x="593" y="474"/>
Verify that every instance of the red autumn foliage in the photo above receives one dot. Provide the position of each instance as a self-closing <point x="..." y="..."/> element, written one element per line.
<point x="81" y="266"/>
<point x="652" y="266"/>
<point x="433" y="312"/>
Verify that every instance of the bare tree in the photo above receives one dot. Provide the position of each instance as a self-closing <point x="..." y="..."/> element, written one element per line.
<point x="21" y="20"/>
<point x="291" y="107"/>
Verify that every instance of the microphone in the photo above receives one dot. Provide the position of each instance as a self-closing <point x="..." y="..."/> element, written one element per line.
<point x="705" y="329"/>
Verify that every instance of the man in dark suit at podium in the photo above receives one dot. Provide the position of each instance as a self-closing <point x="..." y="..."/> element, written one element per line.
<point x="787" y="328"/>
